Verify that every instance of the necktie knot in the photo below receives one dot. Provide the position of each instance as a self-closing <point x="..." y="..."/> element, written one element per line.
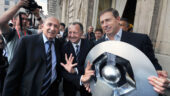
<point x="49" y="43"/>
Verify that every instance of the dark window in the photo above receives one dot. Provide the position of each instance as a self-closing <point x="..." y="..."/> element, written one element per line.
<point x="5" y="9"/>
<point x="6" y="2"/>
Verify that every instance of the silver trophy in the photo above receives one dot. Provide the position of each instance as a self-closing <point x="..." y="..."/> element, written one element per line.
<point x="120" y="70"/>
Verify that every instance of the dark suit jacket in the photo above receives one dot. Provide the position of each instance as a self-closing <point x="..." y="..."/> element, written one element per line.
<point x="25" y="73"/>
<point x="142" y="42"/>
<point x="92" y="36"/>
<point x="84" y="49"/>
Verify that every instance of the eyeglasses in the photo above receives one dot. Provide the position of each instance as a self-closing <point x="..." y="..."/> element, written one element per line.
<point x="73" y="33"/>
<point x="121" y="24"/>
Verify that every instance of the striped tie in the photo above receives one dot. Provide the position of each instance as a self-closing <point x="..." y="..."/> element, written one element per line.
<point x="77" y="52"/>
<point x="77" y="49"/>
<point x="47" y="77"/>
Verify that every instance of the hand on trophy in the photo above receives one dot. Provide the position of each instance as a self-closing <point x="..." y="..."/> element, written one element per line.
<point x="87" y="86"/>
<point x="160" y="83"/>
<point x="69" y="66"/>
<point x="88" y="73"/>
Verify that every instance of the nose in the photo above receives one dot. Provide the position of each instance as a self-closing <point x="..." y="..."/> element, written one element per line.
<point x="104" y="24"/>
<point x="72" y="34"/>
<point x="52" y="27"/>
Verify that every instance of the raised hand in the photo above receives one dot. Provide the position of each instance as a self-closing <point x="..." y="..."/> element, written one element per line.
<point x="22" y="3"/>
<point x="160" y="83"/>
<point x="69" y="66"/>
<point x="88" y="73"/>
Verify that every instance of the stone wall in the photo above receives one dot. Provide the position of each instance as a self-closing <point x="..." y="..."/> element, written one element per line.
<point x="76" y="10"/>
<point x="152" y="18"/>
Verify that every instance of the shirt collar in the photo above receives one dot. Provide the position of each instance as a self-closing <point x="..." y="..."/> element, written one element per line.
<point x="77" y="43"/>
<point x="45" y="38"/>
<point x="117" y="37"/>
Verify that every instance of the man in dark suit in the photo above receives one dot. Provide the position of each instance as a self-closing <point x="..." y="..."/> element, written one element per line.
<point x="109" y="20"/>
<point x="35" y="70"/>
<point x="79" y="48"/>
<point x="90" y="34"/>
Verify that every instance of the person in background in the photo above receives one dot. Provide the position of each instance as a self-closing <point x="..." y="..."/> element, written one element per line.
<point x="124" y="24"/>
<point x="20" y="20"/>
<point x="62" y="29"/>
<point x="3" y="64"/>
<point x="98" y="34"/>
<point x="90" y="34"/>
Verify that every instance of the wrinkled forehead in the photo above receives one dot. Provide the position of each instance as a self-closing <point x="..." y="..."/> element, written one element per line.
<point x="75" y="27"/>
<point x="52" y="20"/>
<point x="106" y="15"/>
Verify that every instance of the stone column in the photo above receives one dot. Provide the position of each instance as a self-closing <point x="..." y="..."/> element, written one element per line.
<point x="162" y="46"/>
<point x="143" y="17"/>
<point x="120" y="6"/>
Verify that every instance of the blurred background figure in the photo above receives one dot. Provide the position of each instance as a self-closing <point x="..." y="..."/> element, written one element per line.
<point x="62" y="29"/>
<point x="3" y="64"/>
<point x="98" y="34"/>
<point x="90" y="34"/>
<point x="124" y="24"/>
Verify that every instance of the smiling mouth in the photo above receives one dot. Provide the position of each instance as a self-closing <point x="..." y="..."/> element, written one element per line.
<point x="107" y="29"/>
<point x="51" y="32"/>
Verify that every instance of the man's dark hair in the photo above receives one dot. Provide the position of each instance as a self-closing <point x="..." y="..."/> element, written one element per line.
<point x="63" y="24"/>
<point x="126" y="20"/>
<point x="114" y="12"/>
<point x="1" y="38"/>
<point x="99" y="30"/>
<point x="78" y="23"/>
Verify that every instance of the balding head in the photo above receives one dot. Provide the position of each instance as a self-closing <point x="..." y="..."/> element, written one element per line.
<point x="50" y="27"/>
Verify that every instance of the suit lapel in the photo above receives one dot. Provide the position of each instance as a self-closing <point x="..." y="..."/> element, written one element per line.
<point x="125" y="36"/>
<point x="57" y="50"/>
<point x="41" y="47"/>
<point x="71" y="48"/>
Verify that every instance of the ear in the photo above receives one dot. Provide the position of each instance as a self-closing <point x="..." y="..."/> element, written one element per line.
<point x="42" y="25"/>
<point x="118" y="18"/>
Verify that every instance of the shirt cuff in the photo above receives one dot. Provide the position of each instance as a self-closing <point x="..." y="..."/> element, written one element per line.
<point x="76" y="70"/>
<point x="81" y="83"/>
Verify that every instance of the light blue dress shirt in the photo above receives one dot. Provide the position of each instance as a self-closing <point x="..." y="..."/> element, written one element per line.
<point x="111" y="57"/>
<point x="54" y="60"/>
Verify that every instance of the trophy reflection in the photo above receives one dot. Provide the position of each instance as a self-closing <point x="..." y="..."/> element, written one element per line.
<point x="114" y="76"/>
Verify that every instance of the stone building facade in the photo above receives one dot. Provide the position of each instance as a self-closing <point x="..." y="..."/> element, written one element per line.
<point x="6" y="4"/>
<point x="151" y="17"/>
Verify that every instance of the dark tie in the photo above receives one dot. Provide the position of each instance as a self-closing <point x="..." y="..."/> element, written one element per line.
<point x="47" y="77"/>
<point x="77" y="49"/>
<point x="77" y="52"/>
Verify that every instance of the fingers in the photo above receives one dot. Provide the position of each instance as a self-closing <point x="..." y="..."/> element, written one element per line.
<point x="159" y="84"/>
<point x="70" y="57"/>
<point x="87" y="86"/>
<point x="66" y="57"/>
<point x="162" y="74"/>
<point x="88" y="67"/>
<point x="73" y="65"/>
<point x="90" y="73"/>
<point x="159" y="81"/>
<point x="62" y="64"/>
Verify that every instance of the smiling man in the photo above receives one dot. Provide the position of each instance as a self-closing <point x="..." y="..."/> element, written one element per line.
<point x="109" y="20"/>
<point x="79" y="48"/>
<point x="34" y="70"/>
